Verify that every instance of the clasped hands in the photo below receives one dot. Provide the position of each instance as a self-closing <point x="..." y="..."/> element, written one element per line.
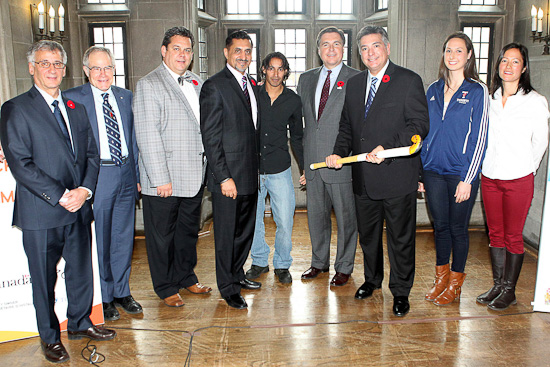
<point x="332" y="159"/>
<point x="73" y="200"/>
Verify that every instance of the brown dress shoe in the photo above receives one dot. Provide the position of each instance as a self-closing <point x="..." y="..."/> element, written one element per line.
<point x="312" y="272"/>
<point x="55" y="352"/>
<point x="93" y="332"/>
<point x="339" y="279"/>
<point x="174" y="301"/>
<point x="199" y="289"/>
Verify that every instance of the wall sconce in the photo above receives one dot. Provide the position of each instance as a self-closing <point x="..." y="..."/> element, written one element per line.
<point x="536" y="27"/>
<point x="47" y="33"/>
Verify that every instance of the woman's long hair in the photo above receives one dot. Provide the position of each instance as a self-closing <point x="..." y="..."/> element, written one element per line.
<point x="524" y="79"/>
<point x="470" y="69"/>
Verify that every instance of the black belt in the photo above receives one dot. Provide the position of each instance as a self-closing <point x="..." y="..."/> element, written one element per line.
<point x="110" y="162"/>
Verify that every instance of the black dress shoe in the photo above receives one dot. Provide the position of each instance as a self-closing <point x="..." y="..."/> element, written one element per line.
<point x="128" y="304"/>
<point x="250" y="284"/>
<point x="401" y="305"/>
<point x="236" y="301"/>
<point x="283" y="275"/>
<point x="110" y="313"/>
<point x="313" y="272"/>
<point x="55" y="352"/>
<point x="93" y="332"/>
<point x="255" y="271"/>
<point x="365" y="291"/>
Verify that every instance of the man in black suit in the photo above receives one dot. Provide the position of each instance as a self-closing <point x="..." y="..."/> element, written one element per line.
<point x="384" y="107"/>
<point x="229" y="126"/>
<point x="50" y="148"/>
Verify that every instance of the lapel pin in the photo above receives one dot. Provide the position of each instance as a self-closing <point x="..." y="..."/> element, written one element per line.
<point x="340" y="84"/>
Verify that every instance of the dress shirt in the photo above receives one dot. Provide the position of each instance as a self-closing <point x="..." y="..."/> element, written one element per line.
<point x="49" y="100"/>
<point x="284" y="114"/>
<point x="104" y="151"/>
<point x="237" y="74"/>
<point x="518" y="135"/>
<point x="379" y="77"/>
<point x="189" y="92"/>
<point x="321" y="82"/>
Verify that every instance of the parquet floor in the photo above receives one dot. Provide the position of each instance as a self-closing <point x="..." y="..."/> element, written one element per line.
<point x="310" y="324"/>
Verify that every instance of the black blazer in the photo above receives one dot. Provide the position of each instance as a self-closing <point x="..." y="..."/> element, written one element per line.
<point x="228" y="134"/>
<point x="41" y="162"/>
<point x="398" y="112"/>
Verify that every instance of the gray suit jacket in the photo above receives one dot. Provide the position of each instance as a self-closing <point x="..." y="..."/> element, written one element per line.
<point x="168" y="135"/>
<point x="319" y="136"/>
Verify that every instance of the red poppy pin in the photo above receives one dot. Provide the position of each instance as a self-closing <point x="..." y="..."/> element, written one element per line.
<point x="70" y="104"/>
<point x="340" y="84"/>
<point x="195" y="82"/>
<point x="386" y="78"/>
<point x="253" y="82"/>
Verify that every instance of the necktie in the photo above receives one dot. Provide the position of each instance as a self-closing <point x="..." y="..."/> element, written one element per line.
<point x="245" y="91"/>
<point x="62" y="124"/>
<point x="324" y="95"/>
<point x="372" y="92"/>
<point x="113" y="133"/>
<point x="182" y="79"/>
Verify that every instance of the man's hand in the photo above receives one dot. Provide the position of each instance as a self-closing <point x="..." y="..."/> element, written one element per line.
<point x="1" y="155"/>
<point x="462" y="192"/>
<point x="74" y="199"/>
<point x="303" y="179"/>
<point x="372" y="158"/>
<point x="331" y="161"/>
<point x="139" y="187"/>
<point x="421" y="187"/>
<point x="229" y="189"/>
<point x="164" y="191"/>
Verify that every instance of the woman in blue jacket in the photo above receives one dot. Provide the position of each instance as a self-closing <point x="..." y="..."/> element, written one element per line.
<point x="452" y="154"/>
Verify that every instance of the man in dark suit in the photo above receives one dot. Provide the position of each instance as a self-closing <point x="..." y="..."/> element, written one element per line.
<point x="49" y="145"/>
<point x="229" y="125"/>
<point x="109" y="109"/>
<point x="385" y="106"/>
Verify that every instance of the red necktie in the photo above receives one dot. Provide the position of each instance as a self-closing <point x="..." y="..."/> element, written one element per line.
<point x="324" y="95"/>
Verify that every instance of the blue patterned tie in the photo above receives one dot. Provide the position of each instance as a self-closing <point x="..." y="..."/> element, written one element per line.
<point x="62" y="124"/>
<point x="113" y="133"/>
<point x="372" y="92"/>
<point x="245" y="91"/>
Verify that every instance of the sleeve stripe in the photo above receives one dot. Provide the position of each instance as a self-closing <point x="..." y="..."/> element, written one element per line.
<point x="481" y="139"/>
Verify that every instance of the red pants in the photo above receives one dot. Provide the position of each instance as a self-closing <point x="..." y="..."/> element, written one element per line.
<point x="506" y="204"/>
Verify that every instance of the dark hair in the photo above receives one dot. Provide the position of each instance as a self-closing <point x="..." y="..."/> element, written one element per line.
<point x="524" y="79"/>
<point x="267" y="60"/>
<point x="177" y="31"/>
<point x="371" y="29"/>
<point x="240" y="35"/>
<point x="470" y="69"/>
<point x="331" y="30"/>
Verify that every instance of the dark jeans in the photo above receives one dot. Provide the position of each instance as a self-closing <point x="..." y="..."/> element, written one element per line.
<point x="451" y="219"/>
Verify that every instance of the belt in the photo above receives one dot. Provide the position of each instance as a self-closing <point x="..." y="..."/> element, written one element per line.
<point x="110" y="162"/>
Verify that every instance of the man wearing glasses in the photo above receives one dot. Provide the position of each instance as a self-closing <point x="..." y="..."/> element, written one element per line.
<point x="109" y="110"/>
<point x="49" y="146"/>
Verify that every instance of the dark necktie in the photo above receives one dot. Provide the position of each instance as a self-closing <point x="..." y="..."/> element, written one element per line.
<point x="62" y="124"/>
<point x="372" y="92"/>
<point x="113" y="133"/>
<point x="245" y="91"/>
<point x="182" y="79"/>
<point x="324" y="95"/>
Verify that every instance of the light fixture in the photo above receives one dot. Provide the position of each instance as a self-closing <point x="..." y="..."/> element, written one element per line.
<point x="536" y="27"/>
<point x="40" y="30"/>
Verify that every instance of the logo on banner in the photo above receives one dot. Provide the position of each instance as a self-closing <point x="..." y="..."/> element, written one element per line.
<point x="23" y="280"/>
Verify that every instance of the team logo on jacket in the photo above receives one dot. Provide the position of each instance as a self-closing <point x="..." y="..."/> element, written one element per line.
<point x="463" y="100"/>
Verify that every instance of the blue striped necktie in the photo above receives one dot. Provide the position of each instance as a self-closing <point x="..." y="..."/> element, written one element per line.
<point x="245" y="91"/>
<point x="372" y="92"/>
<point x="113" y="132"/>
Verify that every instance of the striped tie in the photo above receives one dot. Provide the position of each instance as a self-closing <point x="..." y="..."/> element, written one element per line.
<point x="113" y="133"/>
<point x="245" y="91"/>
<point x="372" y="92"/>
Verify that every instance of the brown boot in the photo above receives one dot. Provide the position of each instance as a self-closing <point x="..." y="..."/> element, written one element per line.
<point x="452" y="291"/>
<point x="440" y="282"/>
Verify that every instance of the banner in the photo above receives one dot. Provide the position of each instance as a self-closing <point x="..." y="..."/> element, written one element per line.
<point x="542" y="285"/>
<point x="17" y="314"/>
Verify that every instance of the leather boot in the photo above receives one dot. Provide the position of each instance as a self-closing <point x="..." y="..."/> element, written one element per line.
<point x="498" y="258"/>
<point x="452" y="291"/>
<point x="511" y="274"/>
<point x="440" y="282"/>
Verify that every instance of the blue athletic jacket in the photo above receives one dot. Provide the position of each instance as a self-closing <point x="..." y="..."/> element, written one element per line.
<point x="456" y="143"/>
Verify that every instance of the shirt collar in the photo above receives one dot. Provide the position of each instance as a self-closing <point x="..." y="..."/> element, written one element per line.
<point x="99" y="93"/>
<point x="174" y="75"/>
<point x="236" y="73"/>
<point x="381" y="72"/>
<point x="49" y="99"/>
<point x="335" y="70"/>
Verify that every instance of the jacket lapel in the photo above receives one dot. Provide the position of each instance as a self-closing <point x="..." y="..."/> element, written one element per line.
<point x="313" y="89"/>
<point x="89" y="104"/>
<point x="175" y="87"/>
<point x="73" y="117"/>
<point x="381" y="91"/>
<point x="125" y="110"/>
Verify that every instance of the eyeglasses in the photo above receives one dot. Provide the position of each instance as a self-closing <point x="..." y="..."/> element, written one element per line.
<point x="97" y="69"/>
<point x="47" y="64"/>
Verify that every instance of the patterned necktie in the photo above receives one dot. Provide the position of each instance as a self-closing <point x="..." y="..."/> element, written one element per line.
<point x="245" y="91"/>
<point x="324" y="95"/>
<point x="372" y="92"/>
<point x="62" y="124"/>
<point x="113" y="133"/>
<point x="182" y="79"/>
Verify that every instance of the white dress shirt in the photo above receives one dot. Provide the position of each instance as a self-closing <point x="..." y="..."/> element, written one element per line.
<point x="237" y="74"/>
<point x="321" y="82"/>
<point x="379" y="77"/>
<point x="189" y="92"/>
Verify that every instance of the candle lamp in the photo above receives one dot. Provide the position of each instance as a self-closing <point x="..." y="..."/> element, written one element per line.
<point x="537" y="17"/>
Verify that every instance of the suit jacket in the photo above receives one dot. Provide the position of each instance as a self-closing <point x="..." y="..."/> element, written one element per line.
<point x="83" y="95"/>
<point x="229" y="136"/>
<point x="168" y="135"/>
<point x="319" y="136"/>
<point x="42" y="163"/>
<point x="399" y="111"/>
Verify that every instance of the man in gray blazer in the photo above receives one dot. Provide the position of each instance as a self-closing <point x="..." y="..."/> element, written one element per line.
<point x="323" y="91"/>
<point x="172" y="166"/>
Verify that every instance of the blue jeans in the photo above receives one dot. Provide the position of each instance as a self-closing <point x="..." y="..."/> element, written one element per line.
<point x="281" y="193"/>
<point x="451" y="220"/>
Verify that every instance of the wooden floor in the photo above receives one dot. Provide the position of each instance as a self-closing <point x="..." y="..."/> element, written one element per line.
<point x="310" y="324"/>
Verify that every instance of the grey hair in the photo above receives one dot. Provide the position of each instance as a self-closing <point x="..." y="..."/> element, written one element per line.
<point x="45" y="45"/>
<point x="331" y="30"/>
<point x="372" y="29"/>
<point x="91" y="50"/>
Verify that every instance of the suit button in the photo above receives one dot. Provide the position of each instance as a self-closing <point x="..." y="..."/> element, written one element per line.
<point x="362" y="139"/>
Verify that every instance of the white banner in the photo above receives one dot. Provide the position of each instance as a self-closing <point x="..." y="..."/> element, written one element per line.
<point x="542" y="286"/>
